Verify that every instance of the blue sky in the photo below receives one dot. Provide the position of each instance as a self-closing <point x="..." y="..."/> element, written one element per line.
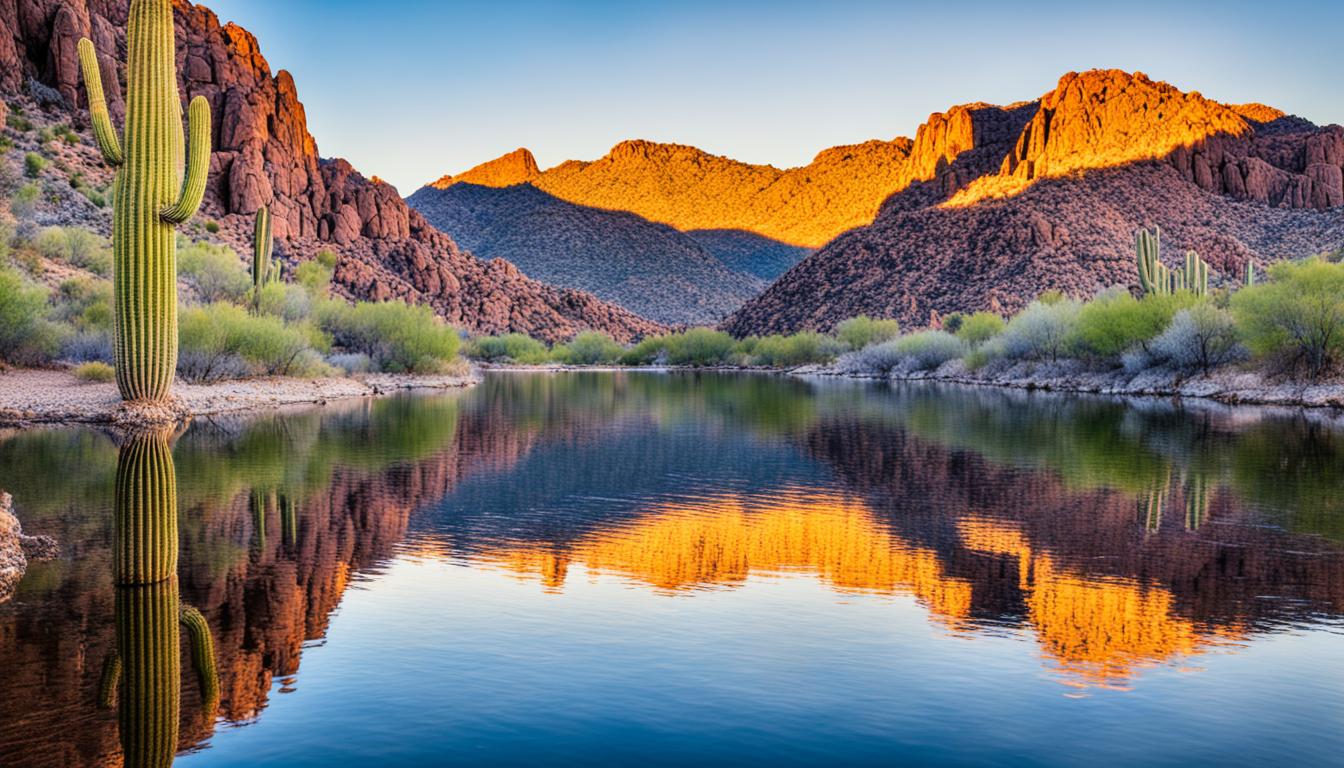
<point x="411" y="90"/>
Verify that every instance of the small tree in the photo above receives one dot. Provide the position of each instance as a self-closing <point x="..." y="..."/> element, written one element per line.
<point x="1297" y="316"/>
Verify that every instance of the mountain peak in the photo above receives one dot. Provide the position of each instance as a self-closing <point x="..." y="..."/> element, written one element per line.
<point x="516" y="167"/>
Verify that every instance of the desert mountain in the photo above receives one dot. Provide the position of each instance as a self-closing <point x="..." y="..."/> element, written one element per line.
<point x="266" y="156"/>
<point x="668" y="276"/>
<point x="1046" y="195"/>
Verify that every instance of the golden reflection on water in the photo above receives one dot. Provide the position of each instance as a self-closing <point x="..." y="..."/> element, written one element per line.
<point x="1095" y="631"/>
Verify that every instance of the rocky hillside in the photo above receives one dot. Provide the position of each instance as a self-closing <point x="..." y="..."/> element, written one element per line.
<point x="266" y="156"/>
<point x="1047" y="195"/>
<point x="650" y="268"/>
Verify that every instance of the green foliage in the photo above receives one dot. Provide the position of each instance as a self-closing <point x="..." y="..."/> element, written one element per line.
<point x="1116" y="322"/>
<point x="512" y="347"/>
<point x="978" y="328"/>
<point x="16" y="121"/>
<point x="327" y="258"/>
<point x="1297" y="318"/>
<point x="804" y="348"/>
<point x="953" y="322"/>
<point x="33" y="165"/>
<point x="700" y="347"/>
<point x="589" y="348"/>
<point x="215" y="271"/>
<point x="650" y="351"/>
<point x="95" y="372"/>
<point x="859" y="332"/>
<point x="24" y="202"/>
<point x="222" y="341"/>
<point x="27" y="336"/>
<point x="314" y="276"/>
<point x="1200" y="338"/>
<point x="1040" y="332"/>
<point x="398" y="337"/>
<point x="212" y="227"/>
<point x="85" y="304"/>
<point x="77" y="247"/>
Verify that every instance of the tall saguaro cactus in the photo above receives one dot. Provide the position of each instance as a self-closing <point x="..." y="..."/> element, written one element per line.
<point x="152" y="195"/>
<point x="145" y="512"/>
<point x="264" y="271"/>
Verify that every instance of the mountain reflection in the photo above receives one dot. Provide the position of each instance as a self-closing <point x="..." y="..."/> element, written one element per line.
<point x="1115" y="537"/>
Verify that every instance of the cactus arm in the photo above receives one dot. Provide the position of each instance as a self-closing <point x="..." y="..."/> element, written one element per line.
<point x="103" y="132"/>
<point x="202" y="653"/>
<point x="198" y="164"/>
<point x="107" y="683"/>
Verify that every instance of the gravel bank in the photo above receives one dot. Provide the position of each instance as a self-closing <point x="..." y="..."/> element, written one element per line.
<point x="29" y="398"/>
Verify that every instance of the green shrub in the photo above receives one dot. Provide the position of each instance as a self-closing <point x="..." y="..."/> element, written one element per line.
<point x="327" y="259"/>
<point x="953" y="321"/>
<point x="215" y="271"/>
<point x="650" y="351"/>
<point x="398" y="337"/>
<point x="85" y="304"/>
<point x="859" y="332"/>
<point x="700" y="347"/>
<point x="1201" y="338"/>
<point x="95" y="372"/>
<point x="589" y="348"/>
<point x="212" y="227"/>
<point x="1297" y="317"/>
<point x="978" y="328"/>
<point x="24" y="202"/>
<point x="27" y="336"/>
<point x="1116" y="322"/>
<point x="792" y="351"/>
<point x="314" y="276"/>
<point x="33" y="165"/>
<point x="18" y="122"/>
<point x="512" y="347"/>
<point x="75" y="246"/>
<point x="1042" y="331"/>
<point x="219" y="341"/>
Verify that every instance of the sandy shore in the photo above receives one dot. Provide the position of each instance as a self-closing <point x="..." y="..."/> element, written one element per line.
<point x="1228" y="386"/>
<point x="30" y="398"/>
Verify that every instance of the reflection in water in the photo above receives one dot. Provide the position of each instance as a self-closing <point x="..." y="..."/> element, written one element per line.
<point x="147" y="661"/>
<point x="1117" y="539"/>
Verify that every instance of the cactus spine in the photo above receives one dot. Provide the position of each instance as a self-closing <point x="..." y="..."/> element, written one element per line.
<point x="264" y="271"/>
<point x="152" y="195"/>
<point x="1156" y="279"/>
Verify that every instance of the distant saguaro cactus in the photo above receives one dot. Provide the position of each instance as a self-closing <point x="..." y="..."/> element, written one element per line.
<point x="1156" y="279"/>
<point x="151" y="195"/>
<point x="264" y="271"/>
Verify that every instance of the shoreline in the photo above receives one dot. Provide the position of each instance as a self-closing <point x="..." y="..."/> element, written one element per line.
<point x="37" y="398"/>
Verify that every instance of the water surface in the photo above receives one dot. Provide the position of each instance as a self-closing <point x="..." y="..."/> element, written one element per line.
<point x="666" y="568"/>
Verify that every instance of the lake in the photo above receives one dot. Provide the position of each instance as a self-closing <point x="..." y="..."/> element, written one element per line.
<point x="654" y="568"/>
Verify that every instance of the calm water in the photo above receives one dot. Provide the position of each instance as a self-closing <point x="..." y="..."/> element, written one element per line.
<point x="639" y="567"/>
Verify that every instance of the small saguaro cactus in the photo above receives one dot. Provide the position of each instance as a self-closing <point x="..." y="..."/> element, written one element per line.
<point x="264" y="270"/>
<point x="1250" y="273"/>
<point x="152" y="196"/>
<point x="1154" y="276"/>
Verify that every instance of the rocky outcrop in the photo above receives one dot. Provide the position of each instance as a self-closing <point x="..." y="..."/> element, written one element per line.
<point x="1054" y="202"/>
<point x="517" y="167"/>
<point x="16" y="549"/>
<point x="266" y="156"/>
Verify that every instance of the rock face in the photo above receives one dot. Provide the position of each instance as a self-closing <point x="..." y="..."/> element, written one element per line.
<point x="265" y="156"/>
<point x="652" y="269"/>
<point x="16" y="549"/>
<point x="1052" y="201"/>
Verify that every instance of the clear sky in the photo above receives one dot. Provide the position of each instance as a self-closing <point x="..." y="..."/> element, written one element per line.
<point x="411" y="89"/>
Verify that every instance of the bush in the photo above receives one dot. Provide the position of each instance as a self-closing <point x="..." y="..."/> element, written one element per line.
<point x="589" y="348"/>
<point x="289" y="302"/>
<point x="88" y="347"/>
<point x="351" y="362"/>
<point x="804" y="348"/>
<point x="1297" y="317"/>
<point x="1116" y="322"/>
<point x="650" y="351"/>
<point x="978" y="328"/>
<point x="1040" y="332"/>
<point x="27" y="336"/>
<point x="314" y="276"/>
<point x="212" y="227"/>
<point x="215" y="271"/>
<point x="33" y="165"/>
<point x="700" y="346"/>
<point x="95" y="372"/>
<point x="398" y="337"/>
<point x="24" y="202"/>
<point x="1200" y="338"/>
<point x="919" y="351"/>
<point x="85" y="304"/>
<point x="220" y="341"/>
<point x="859" y="332"/>
<point x="513" y="347"/>
<point x="75" y="246"/>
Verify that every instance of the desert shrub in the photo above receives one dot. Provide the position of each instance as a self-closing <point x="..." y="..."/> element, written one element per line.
<point x="398" y="337"/>
<point x="1116" y="322"/>
<point x="978" y="328"/>
<point x="512" y="347"/>
<point x="650" y="351"/>
<point x="1200" y="338"/>
<point x="219" y="341"/>
<point x="75" y="246"/>
<point x="351" y="362"/>
<point x="23" y="204"/>
<point x="33" y="165"/>
<point x="589" y="348"/>
<point x="212" y="227"/>
<point x="215" y="271"/>
<point x="314" y="276"/>
<point x="95" y="372"/>
<point x="804" y="348"/>
<point x="926" y="350"/>
<point x="859" y="332"/>
<point x="287" y="301"/>
<point x="1297" y="316"/>
<point x="87" y="346"/>
<point x="85" y="304"/>
<point x="700" y="346"/>
<point x="27" y="336"/>
<point x="1040" y="332"/>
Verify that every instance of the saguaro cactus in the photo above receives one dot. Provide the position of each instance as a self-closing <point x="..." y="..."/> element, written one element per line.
<point x="1154" y="276"/>
<point x="151" y="197"/>
<point x="264" y="271"/>
<point x="145" y="510"/>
